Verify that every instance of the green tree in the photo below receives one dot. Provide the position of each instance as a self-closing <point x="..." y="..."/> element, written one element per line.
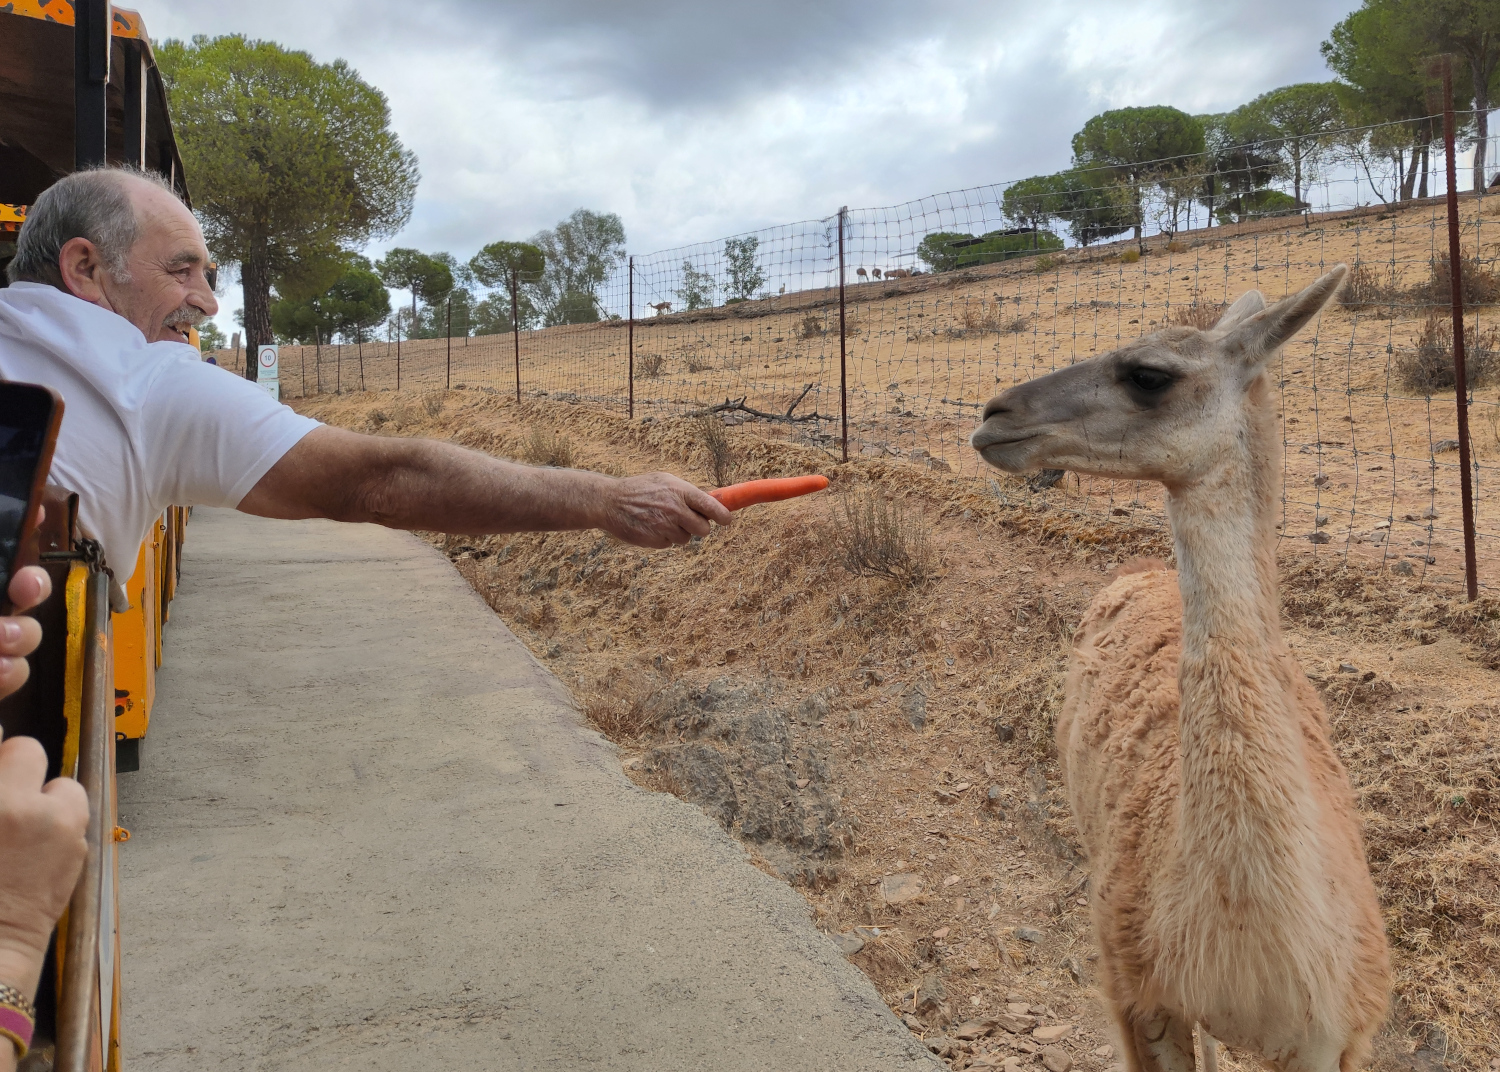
<point x="580" y="253"/>
<point x="739" y="261"/>
<point x="697" y="290"/>
<point x="210" y="337"/>
<point x="495" y="267"/>
<point x="1238" y="155"/>
<point x="358" y="302"/>
<point x="1139" y="147"/>
<point x="350" y="307"/>
<point x="301" y="320"/>
<point x="291" y="160"/>
<point x="943" y="251"/>
<point x="1381" y="56"/>
<point x="1035" y="202"/>
<point x="1305" y="118"/>
<point x="1470" y="30"/>
<point x="428" y="277"/>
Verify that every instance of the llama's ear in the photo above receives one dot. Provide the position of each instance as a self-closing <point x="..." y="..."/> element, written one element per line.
<point x="1249" y="303"/>
<point x="1257" y="337"/>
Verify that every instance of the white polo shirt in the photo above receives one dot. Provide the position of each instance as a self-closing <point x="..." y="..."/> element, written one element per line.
<point x="145" y="425"/>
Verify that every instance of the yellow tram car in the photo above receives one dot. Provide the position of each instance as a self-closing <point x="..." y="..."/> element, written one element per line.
<point x="81" y="88"/>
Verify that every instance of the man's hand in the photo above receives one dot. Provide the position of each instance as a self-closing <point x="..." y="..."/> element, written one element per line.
<point x="441" y="487"/>
<point x="658" y="510"/>
<point x="42" y="848"/>
<point x="19" y="636"/>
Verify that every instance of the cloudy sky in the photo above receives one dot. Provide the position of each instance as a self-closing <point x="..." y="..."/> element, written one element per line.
<point x="694" y="120"/>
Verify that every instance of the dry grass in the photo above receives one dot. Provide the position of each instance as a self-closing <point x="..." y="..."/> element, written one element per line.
<point x="1481" y="284"/>
<point x="1428" y="367"/>
<point x="649" y="366"/>
<point x="1368" y="288"/>
<point x="875" y="535"/>
<point x="547" y="447"/>
<point x="721" y="462"/>
<point x="1197" y="316"/>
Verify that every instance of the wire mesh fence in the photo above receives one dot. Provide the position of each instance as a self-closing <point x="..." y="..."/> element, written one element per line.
<point x="899" y="323"/>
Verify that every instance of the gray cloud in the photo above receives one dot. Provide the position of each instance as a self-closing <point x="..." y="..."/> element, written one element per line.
<point x="694" y="120"/>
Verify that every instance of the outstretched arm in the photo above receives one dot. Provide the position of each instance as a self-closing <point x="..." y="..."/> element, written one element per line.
<point x="426" y="484"/>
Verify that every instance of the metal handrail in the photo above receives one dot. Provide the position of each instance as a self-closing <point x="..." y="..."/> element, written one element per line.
<point x="78" y="1015"/>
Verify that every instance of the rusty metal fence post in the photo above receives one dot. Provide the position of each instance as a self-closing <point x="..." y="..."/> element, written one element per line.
<point x="630" y="337"/>
<point x="1460" y="372"/>
<point x="843" y="358"/>
<point x="515" y="330"/>
<point x="449" y="330"/>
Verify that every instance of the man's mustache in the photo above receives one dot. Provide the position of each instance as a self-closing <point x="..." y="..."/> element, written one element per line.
<point x="184" y="316"/>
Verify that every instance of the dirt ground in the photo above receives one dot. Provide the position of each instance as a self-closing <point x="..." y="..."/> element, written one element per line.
<point x="886" y="745"/>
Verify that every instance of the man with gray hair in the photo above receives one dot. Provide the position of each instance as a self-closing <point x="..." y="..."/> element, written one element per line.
<point x="111" y="272"/>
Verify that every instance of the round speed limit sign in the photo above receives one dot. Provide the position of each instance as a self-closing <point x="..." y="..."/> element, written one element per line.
<point x="270" y="357"/>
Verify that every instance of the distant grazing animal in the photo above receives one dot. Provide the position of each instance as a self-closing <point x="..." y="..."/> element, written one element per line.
<point x="864" y="276"/>
<point x="897" y="273"/>
<point x="875" y="272"/>
<point x="782" y="290"/>
<point x="1230" y="883"/>
<point x="660" y="307"/>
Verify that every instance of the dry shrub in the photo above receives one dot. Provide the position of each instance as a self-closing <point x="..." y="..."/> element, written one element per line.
<point x="1428" y="367"/>
<point x="722" y="461"/>
<point x="1481" y="285"/>
<point x="1367" y="288"/>
<point x="1177" y="246"/>
<point x="620" y="718"/>
<point x="810" y="326"/>
<point x="431" y="402"/>
<point x="871" y="535"/>
<point x="648" y="366"/>
<point x="698" y="363"/>
<point x="1043" y="264"/>
<point x="1130" y="256"/>
<point x="546" y="447"/>
<point x="1197" y="316"/>
<point x="1015" y="325"/>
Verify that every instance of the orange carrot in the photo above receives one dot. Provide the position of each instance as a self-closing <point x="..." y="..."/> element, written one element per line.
<point x="737" y="496"/>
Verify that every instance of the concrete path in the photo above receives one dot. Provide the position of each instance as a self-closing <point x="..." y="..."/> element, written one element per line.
<point x="370" y="833"/>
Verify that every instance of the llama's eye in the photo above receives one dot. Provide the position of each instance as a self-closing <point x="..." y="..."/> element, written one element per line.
<point x="1149" y="379"/>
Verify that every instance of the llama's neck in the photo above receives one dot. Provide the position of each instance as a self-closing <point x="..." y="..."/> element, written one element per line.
<point x="1241" y="754"/>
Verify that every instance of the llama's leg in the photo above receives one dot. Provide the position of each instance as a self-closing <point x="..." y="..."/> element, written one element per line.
<point x="1162" y="1043"/>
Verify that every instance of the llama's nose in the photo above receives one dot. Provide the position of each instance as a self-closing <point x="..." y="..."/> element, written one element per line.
<point x="998" y="404"/>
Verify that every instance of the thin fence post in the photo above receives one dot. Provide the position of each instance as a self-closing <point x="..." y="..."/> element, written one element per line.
<point x="361" y="361"/>
<point x="338" y="369"/>
<point x="303" y="351"/>
<point x="630" y="344"/>
<point x="318" y="363"/>
<point x="843" y="360"/>
<point x="398" y="357"/>
<point x="1460" y="373"/>
<point x="449" y="330"/>
<point x="515" y="328"/>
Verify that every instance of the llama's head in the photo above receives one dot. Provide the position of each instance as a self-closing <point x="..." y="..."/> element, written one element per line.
<point x="1170" y="406"/>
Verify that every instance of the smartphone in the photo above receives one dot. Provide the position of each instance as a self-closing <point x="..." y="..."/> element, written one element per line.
<point x="30" y="416"/>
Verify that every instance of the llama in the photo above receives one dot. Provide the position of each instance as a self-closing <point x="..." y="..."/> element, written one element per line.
<point x="897" y="273"/>
<point x="864" y="276"/>
<point x="1231" y="889"/>
<point x="660" y="307"/>
<point x="875" y="272"/>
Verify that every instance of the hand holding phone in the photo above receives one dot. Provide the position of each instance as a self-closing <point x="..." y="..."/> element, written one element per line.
<point x="30" y="417"/>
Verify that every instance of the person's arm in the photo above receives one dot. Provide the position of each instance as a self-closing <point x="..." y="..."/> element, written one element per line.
<point x="426" y="484"/>
<point x="42" y="827"/>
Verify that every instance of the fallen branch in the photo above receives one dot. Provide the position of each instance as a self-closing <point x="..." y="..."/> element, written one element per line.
<point x="737" y="405"/>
